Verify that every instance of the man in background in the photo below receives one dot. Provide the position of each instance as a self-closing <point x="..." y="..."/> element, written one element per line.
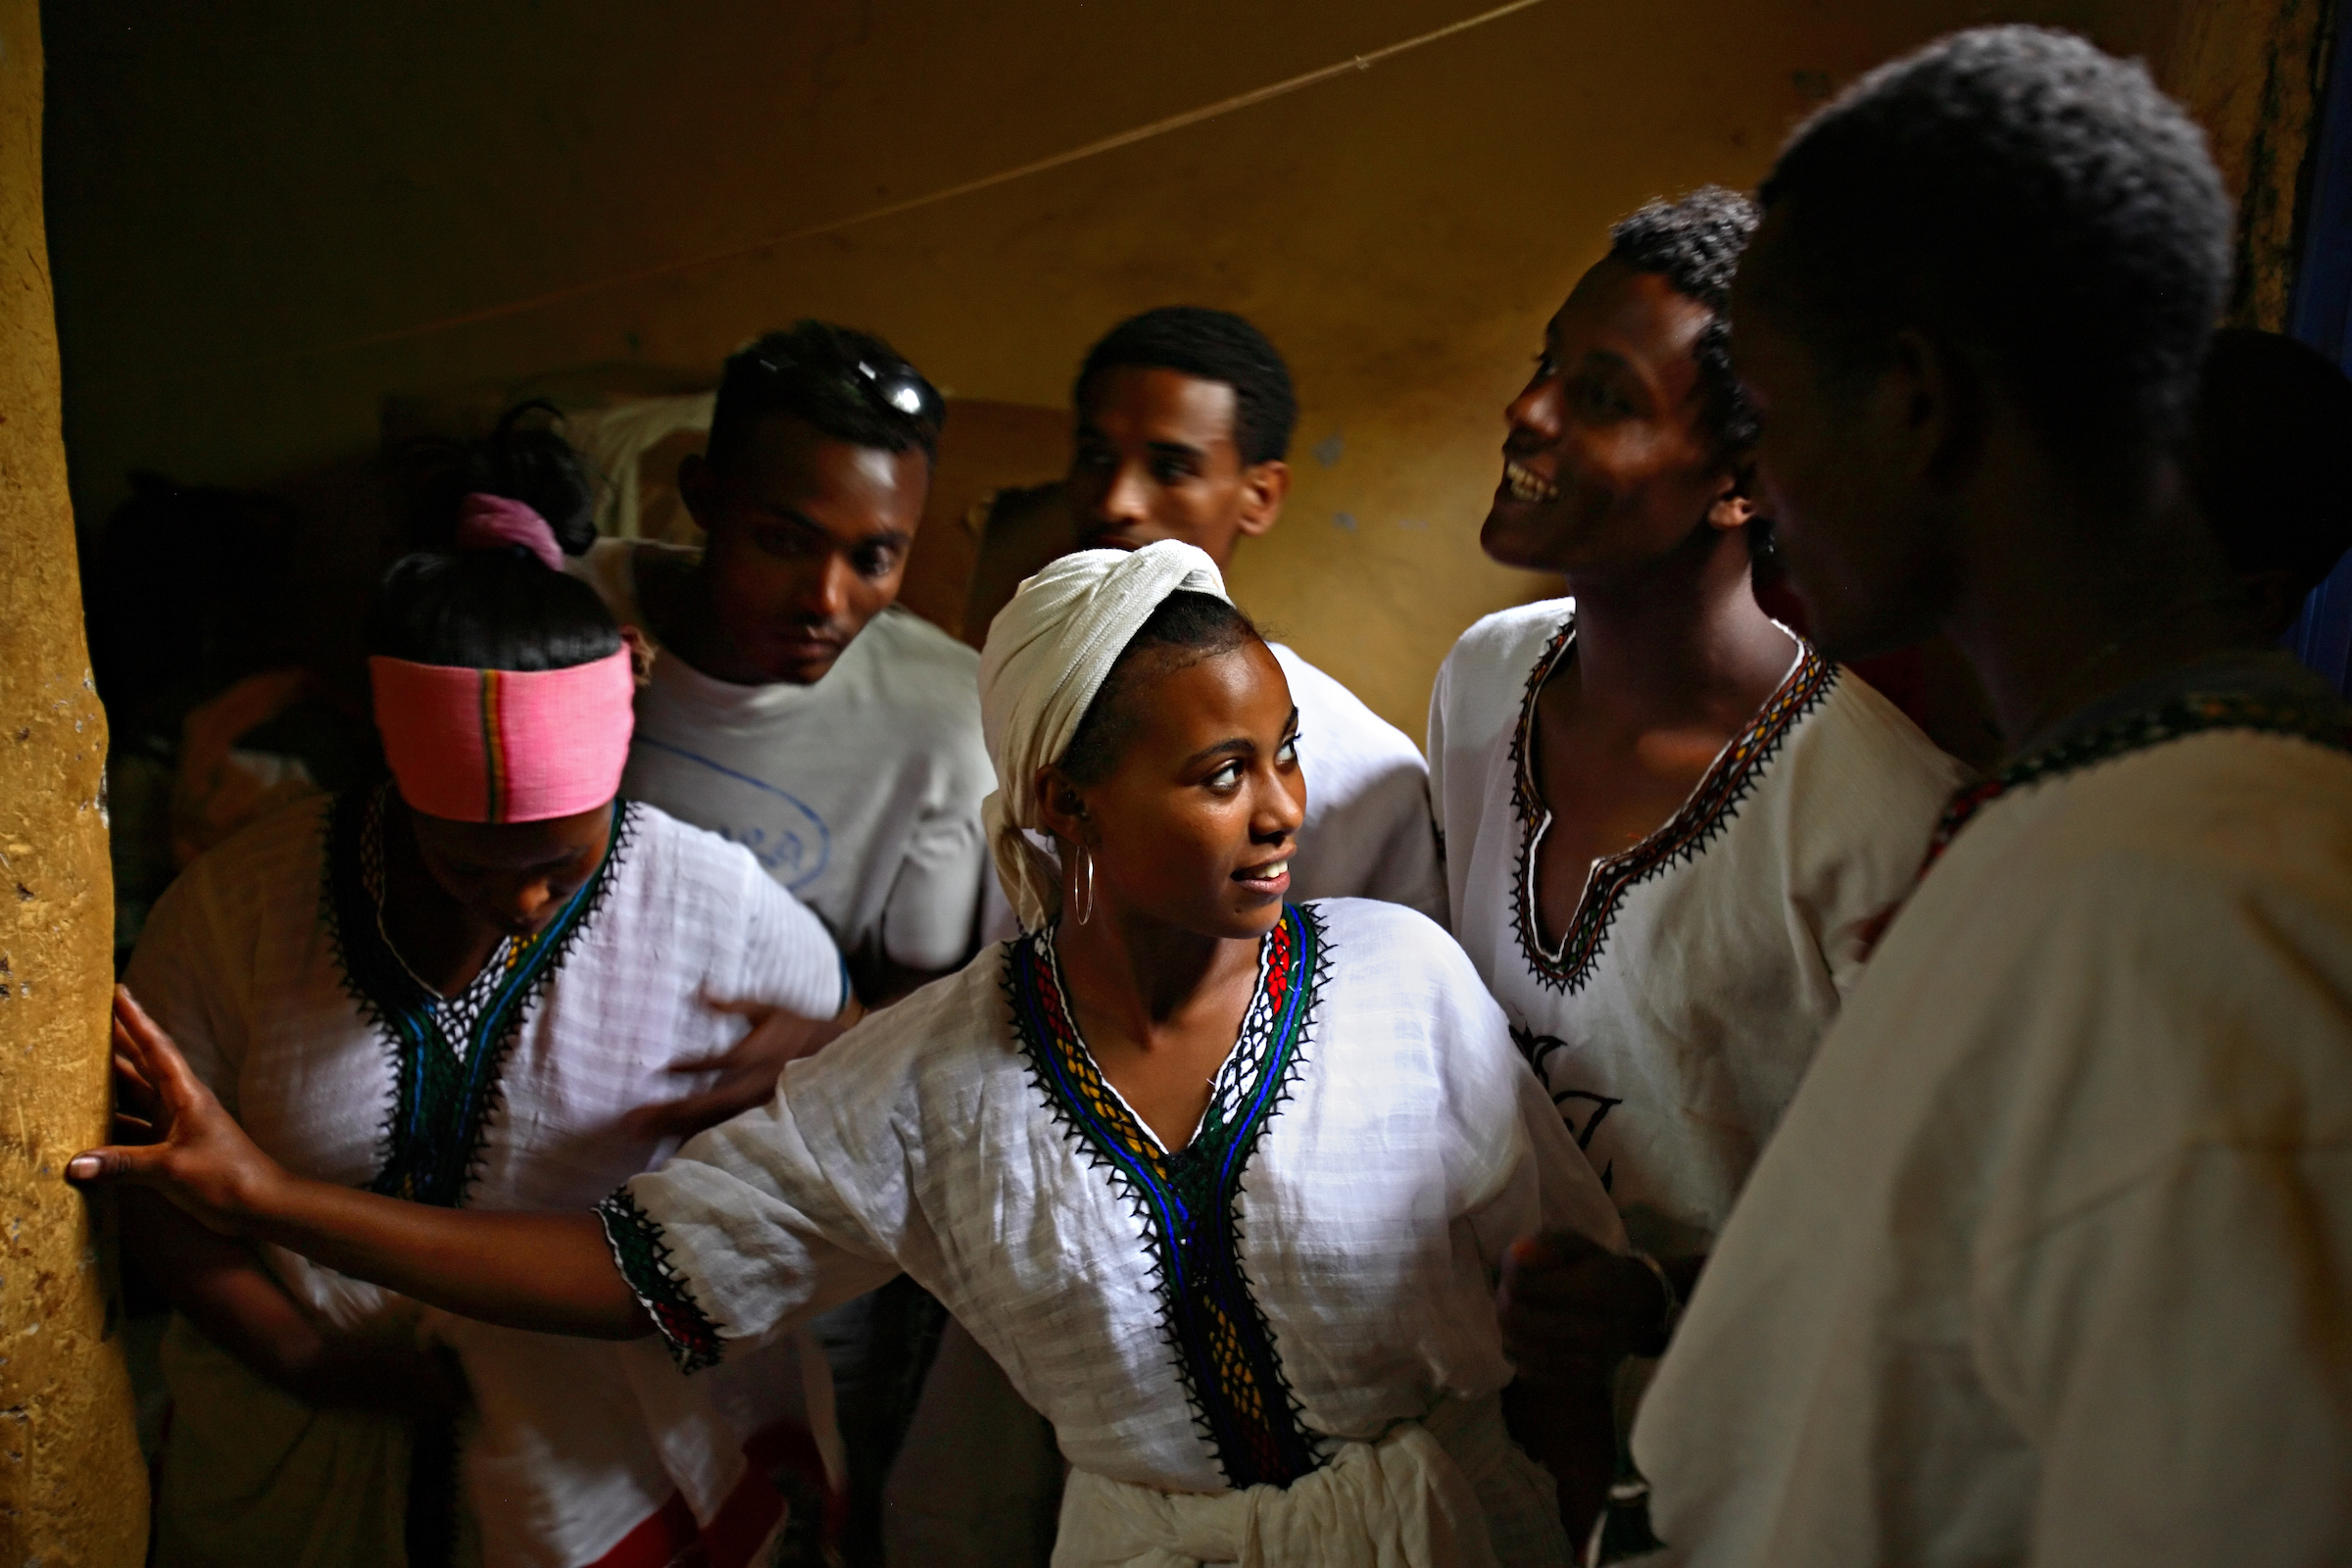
<point x="794" y="708"/>
<point x="1184" y="420"/>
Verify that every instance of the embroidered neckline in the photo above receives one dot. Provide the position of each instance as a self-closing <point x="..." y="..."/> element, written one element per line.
<point x="446" y="1084"/>
<point x="2321" y="722"/>
<point x="647" y="1264"/>
<point x="1710" y="808"/>
<point x="1188" y="1199"/>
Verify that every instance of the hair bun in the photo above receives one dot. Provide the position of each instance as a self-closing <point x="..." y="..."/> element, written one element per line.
<point x="491" y="523"/>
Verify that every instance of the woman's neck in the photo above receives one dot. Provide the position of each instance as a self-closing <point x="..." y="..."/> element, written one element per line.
<point x="443" y="942"/>
<point x="1143" y="976"/>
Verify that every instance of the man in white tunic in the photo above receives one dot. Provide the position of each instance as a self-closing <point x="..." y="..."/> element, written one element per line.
<point x="2048" y="1261"/>
<point x="1184" y="419"/>
<point x="1669" y="825"/>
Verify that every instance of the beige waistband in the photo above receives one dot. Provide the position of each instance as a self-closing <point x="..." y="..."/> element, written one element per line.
<point x="1407" y="1501"/>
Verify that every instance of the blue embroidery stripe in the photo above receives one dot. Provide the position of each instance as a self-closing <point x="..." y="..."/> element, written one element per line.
<point x="1188" y="1199"/>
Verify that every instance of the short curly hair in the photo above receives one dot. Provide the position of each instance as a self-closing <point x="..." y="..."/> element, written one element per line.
<point x="1695" y="242"/>
<point x="1213" y="346"/>
<point x="2033" y="199"/>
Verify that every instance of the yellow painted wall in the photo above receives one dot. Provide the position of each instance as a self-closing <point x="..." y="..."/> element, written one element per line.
<point x="72" y="1491"/>
<point x="238" y="193"/>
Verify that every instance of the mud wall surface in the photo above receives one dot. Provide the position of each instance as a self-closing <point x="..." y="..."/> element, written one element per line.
<point x="72" y="1491"/>
<point x="266" y="215"/>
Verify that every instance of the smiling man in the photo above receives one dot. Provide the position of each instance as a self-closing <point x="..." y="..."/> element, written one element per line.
<point x="1668" y="822"/>
<point x="2050" y="1262"/>
<point x="1184" y="417"/>
<point x="793" y="707"/>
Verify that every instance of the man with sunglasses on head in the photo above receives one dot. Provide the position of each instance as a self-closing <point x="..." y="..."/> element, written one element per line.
<point x="792" y="706"/>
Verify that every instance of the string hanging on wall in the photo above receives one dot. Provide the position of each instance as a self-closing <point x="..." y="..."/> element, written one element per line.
<point x="647" y="275"/>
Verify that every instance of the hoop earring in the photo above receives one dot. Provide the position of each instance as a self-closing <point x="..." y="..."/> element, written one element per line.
<point x="1087" y="870"/>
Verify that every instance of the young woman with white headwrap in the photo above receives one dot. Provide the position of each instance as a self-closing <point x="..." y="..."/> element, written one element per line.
<point x="1222" y="1182"/>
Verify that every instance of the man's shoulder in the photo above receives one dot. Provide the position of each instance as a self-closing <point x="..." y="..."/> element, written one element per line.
<point x="1327" y="710"/>
<point x="904" y="662"/>
<point x="1854" y="739"/>
<point x="1484" y="679"/>
<point x="1512" y="637"/>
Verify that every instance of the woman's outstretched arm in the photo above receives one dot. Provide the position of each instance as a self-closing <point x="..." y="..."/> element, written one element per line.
<point x="548" y="1272"/>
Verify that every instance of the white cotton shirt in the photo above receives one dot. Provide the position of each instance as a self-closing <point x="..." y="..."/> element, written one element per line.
<point x="1409" y="1149"/>
<point x="1367" y="832"/>
<point x="2051" y="1261"/>
<point x="237" y="966"/>
<point x="1674" y="1019"/>
<point x="860" y="793"/>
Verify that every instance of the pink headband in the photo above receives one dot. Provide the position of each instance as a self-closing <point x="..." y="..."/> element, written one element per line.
<point x="486" y="521"/>
<point x="504" y="744"/>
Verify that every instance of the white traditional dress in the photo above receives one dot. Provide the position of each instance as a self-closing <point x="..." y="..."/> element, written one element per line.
<point x="266" y="961"/>
<point x="2051" y="1260"/>
<point x="1288" y="1320"/>
<point x="1674" y="1016"/>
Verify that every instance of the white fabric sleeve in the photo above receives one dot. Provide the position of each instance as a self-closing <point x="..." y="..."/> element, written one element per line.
<point x="190" y="977"/>
<point x="931" y="921"/>
<point x="1392" y="809"/>
<point x="1517" y="1167"/>
<point x="2181" y="1356"/>
<point x="749" y="1230"/>
<point x="789" y="959"/>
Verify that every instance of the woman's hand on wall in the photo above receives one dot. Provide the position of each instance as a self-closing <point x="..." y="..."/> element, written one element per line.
<point x="187" y="1147"/>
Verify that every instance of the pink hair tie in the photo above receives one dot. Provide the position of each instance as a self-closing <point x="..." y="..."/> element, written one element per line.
<point x="486" y="521"/>
<point x="504" y="744"/>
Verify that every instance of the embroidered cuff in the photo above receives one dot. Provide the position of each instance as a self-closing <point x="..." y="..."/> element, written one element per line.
<point x="644" y="1259"/>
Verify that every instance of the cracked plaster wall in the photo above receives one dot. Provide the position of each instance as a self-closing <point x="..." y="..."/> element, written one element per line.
<point x="73" y="1490"/>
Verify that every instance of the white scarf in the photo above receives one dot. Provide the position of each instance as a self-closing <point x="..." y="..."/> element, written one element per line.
<point x="1049" y="652"/>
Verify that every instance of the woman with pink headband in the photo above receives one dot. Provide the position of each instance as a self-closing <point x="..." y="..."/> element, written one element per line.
<point x="454" y="989"/>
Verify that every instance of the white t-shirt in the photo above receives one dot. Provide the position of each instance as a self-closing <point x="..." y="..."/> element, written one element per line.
<point x="1676" y="1015"/>
<point x="1367" y="833"/>
<point x="862" y="793"/>
<point x="2051" y="1260"/>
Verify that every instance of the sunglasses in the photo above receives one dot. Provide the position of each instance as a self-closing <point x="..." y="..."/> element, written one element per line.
<point x="888" y="388"/>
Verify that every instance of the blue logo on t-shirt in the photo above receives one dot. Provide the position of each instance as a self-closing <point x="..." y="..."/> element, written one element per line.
<point x="791" y="843"/>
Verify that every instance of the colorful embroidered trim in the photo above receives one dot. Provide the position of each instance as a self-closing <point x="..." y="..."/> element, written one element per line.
<point x="2323" y="723"/>
<point x="1707" y="812"/>
<point x="1188" y="1200"/>
<point x="644" y="1258"/>
<point x="441" y="1108"/>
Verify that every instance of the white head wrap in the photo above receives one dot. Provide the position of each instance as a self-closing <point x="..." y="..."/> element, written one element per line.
<point x="1049" y="652"/>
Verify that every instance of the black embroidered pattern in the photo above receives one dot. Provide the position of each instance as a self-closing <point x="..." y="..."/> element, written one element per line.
<point x="1188" y="1200"/>
<point x="644" y="1262"/>
<point x="446" y="1088"/>
<point x="1710" y="808"/>
<point x="2323" y="723"/>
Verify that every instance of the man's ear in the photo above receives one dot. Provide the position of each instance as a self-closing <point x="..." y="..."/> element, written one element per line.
<point x="698" y="488"/>
<point x="1264" y="485"/>
<point x="1931" y="406"/>
<point x="1060" y="806"/>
